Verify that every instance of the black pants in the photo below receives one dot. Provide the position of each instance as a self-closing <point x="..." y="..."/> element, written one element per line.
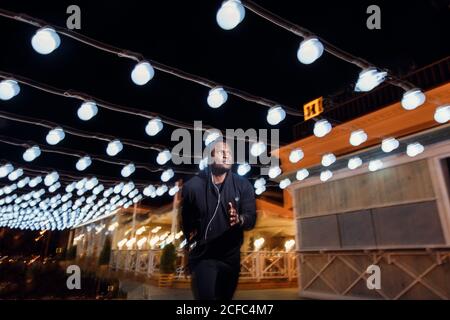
<point x="213" y="279"/>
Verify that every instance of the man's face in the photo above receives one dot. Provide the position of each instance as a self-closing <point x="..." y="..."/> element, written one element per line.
<point x="222" y="157"/>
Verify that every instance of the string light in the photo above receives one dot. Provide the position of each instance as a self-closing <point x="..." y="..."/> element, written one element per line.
<point x="257" y="148"/>
<point x="389" y="144"/>
<point x="285" y="183"/>
<point x="114" y="147"/>
<point x="45" y="40"/>
<point x="322" y="128"/>
<point x="275" y="115"/>
<point x="31" y="153"/>
<point x="167" y="175"/>
<point x="55" y="136"/>
<point x="302" y="174"/>
<point x="326" y="175"/>
<point x="328" y="159"/>
<point x="163" y="157"/>
<point x="260" y="182"/>
<point x="369" y="79"/>
<point x="358" y="137"/>
<point x="216" y="97"/>
<point x="51" y="178"/>
<point x="154" y="126"/>
<point x="6" y="169"/>
<point x="310" y="50"/>
<point x="274" y="172"/>
<point x="142" y="73"/>
<point x="127" y="170"/>
<point x="260" y="190"/>
<point x="354" y="163"/>
<point x="87" y="110"/>
<point x="414" y="149"/>
<point x="212" y="135"/>
<point x="243" y="169"/>
<point x="83" y="163"/>
<point x="412" y="99"/>
<point x="375" y="165"/>
<point x="296" y="155"/>
<point x="442" y="114"/>
<point x="230" y="14"/>
<point x="173" y="190"/>
<point x="8" y="89"/>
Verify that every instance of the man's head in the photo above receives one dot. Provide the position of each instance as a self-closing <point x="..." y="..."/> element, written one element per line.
<point x="221" y="157"/>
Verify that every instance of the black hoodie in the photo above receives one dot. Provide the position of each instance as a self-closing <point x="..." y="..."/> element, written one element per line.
<point x="205" y="211"/>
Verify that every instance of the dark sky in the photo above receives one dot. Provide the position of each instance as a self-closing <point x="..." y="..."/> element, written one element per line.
<point x="257" y="57"/>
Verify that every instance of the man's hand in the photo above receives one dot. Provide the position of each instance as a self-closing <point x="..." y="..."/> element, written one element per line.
<point x="234" y="217"/>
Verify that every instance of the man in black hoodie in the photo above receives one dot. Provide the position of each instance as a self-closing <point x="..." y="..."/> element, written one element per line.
<point x="217" y="206"/>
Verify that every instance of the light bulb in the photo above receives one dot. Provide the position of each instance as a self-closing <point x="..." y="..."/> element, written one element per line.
<point x="412" y="99"/>
<point x="310" y="50"/>
<point x="31" y="153"/>
<point x="326" y="175"/>
<point x="212" y="135"/>
<point x="87" y="110"/>
<point x="8" y="89"/>
<point x="161" y="190"/>
<point x="389" y="144"/>
<point x="6" y="169"/>
<point x="354" y="163"/>
<point x="173" y="190"/>
<point x="230" y="14"/>
<point x="260" y="190"/>
<point x="442" y="114"/>
<point x="275" y="115"/>
<point x="296" y="155"/>
<point x="260" y="183"/>
<point x="274" y="172"/>
<point x="114" y="147"/>
<point x="127" y="170"/>
<point x="153" y="127"/>
<point x="375" y="165"/>
<point x="163" y="157"/>
<point x="142" y="73"/>
<point x="243" y="169"/>
<point x="51" y="178"/>
<point x="414" y="149"/>
<point x="149" y="190"/>
<point x="285" y="183"/>
<point x="216" y="97"/>
<point x="45" y="40"/>
<point x="322" y="128"/>
<point x="358" y="137"/>
<point x="257" y="148"/>
<point x="368" y="79"/>
<point x="83" y="163"/>
<point x="302" y="174"/>
<point x="167" y="175"/>
<point x="328" y="159"/>
<point x="55" y="136"/>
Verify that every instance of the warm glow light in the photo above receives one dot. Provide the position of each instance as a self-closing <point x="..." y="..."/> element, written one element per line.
<point x="142" y="73"/>
<point x="216" y="97"/>
<point x="45" y="40"/>
<point x="369" y="79"/>
<point x="413" y="99"/>
<point x="310" y="50"/>
<point x="322" y="128"/>
<point x="230" y="14"/>
<point x="389" y="144"/>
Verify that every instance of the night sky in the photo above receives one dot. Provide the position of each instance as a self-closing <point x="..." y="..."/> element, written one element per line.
<point x="257" y="57"/>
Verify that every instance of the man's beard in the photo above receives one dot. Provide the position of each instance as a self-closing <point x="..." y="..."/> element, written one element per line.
<point x="218" y="170"/>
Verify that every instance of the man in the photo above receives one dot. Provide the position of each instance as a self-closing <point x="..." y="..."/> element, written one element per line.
<point x="217" y="206"/>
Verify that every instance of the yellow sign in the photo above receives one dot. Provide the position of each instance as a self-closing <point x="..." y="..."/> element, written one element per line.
<point x="313" y="109"/>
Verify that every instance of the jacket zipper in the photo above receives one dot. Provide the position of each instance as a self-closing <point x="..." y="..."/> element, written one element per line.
<point x="215" y="211"/>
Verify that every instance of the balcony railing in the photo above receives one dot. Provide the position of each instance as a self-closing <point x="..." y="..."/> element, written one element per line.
<point x="256" y="265"/>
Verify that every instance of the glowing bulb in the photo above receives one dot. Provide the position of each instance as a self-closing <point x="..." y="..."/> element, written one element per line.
<point x="296" y="155"/>
<point x="375" y="165"/>
<point x="31" y="153"/>
<point x="55" y="136"/>
<point x="260" y="183"/>
<point x="9" y="89"/>
<point x="358" y="137"/>
<point x="243" y="169"/>
<point x="310" y="50"/>
<point x="161" y="190"/>
<point x="163" y="157"/>
<point x="275" y="115"/>
<point x="6" y="169"/>
<point x="142" y="73"/>
<point x="302" y="174"/>
<point x="212" y="135"/>
<point x="167" y="175"/>
<point x="51" y="178"/>
<point x="285" y="183"/>
<point x="87" y="110"/>
<point x="153" y="127"/>
<point x="414" y="149"/>
<point x="413" y="99"/>
<point x="216" y="97"/>
<point x="389" y="144"/>
<point x="257" y="148"/>
<point x="354" y="163"/>
<point x="149" y="190"/>
<point x="83" y="163"/>
<point x="127" y="170"/>
<point x="35" y="181"/>
<point x="326" y="175"/>
<point x="274" y="172"/>
<point x="230" y="14"/>
<point x="322" y="128"/>
<point x="114" y="147"/>
<point x="328" y="159"/>
<point x="173" y="190"/>
<point x="45" y="40"/>
<point x="442" y="114"/>
<point x="369" y="79"/>
<point x="260" y="190"/>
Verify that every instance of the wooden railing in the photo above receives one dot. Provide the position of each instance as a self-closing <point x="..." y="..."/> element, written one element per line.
<point x="257" y="265"/>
